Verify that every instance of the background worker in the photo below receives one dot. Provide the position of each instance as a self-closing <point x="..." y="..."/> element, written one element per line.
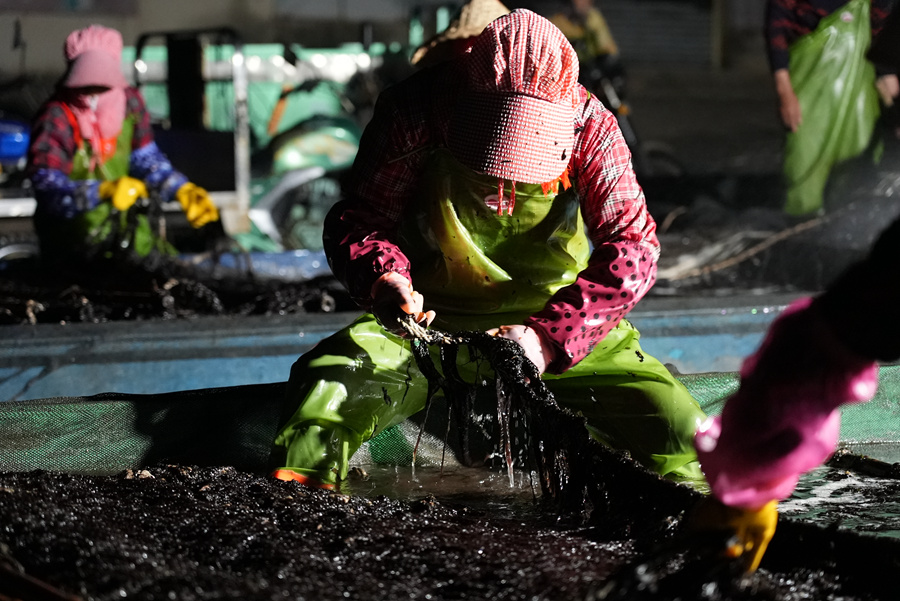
<point x="472" y="18"/>
<point x="885" y="51"/>
<point x="92" y="157"/>
<point x="586" y="29"/>
<point x="784" y="419"/>
<point x="491" y="193"/>
<point x="814" y="45"/>
<point x="601" y="69"/>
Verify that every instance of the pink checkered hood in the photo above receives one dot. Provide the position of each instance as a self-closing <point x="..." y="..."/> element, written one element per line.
<point x="94" y="56"/>
<point x="515" y="119"/>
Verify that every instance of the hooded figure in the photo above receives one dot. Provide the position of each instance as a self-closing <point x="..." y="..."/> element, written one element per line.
<point x="92" y="158"/>
<point x="491" y="192"/>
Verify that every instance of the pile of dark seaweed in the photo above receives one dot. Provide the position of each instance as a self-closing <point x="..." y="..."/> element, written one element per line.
<point x="727" y="234"/>
<point x="163" y="288"/>
<point x="605" y="528"/>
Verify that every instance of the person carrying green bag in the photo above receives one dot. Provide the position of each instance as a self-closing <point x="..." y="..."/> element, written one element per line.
<point x="827" y="90"/>
<point x="493" y="193"/>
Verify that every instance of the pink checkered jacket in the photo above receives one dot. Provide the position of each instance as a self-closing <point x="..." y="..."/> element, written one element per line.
<point x="410" y="119"/>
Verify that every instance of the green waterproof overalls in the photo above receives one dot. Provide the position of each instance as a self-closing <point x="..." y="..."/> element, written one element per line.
<point x="481" y="270"/>
<point x="835" y="85"/>
<point x="101" y="231"/>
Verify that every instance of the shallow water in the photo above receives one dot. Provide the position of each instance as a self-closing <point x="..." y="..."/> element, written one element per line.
<point x="825" y="496"/>
<point x="475" y="487"/>
<point x="833" y="497"/>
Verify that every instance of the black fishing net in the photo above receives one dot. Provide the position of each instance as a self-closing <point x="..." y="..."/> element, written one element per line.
<point x="593" y="485"/>
<point x="573" y="470"/>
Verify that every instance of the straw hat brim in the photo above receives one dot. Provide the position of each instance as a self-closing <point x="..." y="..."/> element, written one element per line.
<point x="473" y="17"/>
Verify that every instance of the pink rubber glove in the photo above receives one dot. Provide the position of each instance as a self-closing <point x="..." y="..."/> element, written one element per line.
<point x="393" y="298"/>
<point x="535" y="349"/>
<point x="784" y="418"/>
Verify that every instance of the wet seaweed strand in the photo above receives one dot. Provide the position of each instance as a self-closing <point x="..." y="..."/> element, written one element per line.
<point x="583" y="479"/>
<point x="620" y="499"/>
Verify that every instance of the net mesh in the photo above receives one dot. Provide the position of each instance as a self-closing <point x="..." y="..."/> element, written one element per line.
<point x="107" y="433"/>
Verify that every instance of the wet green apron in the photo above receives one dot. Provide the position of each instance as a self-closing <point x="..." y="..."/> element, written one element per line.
<point x="835" y="85"/>
<point x="102" y="230"/>
<point x="481" y="270"/>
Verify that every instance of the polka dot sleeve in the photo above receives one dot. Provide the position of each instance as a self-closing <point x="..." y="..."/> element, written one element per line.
<point x="580" y="315"/>
<point x="622" y="267"/>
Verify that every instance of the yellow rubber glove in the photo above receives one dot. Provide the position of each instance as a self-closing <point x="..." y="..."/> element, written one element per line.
<point x="123" y="192"/>
<point x="750" y="530"/>
<point x="198" y="207"/>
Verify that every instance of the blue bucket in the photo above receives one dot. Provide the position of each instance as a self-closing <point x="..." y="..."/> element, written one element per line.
<point x="14" y="138"/>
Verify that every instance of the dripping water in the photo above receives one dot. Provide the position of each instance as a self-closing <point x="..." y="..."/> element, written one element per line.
<point x="504" y="407"/>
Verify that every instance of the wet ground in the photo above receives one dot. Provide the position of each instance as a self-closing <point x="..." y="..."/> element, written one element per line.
<point x="848" y="499"/>
<point x="573" y="520"/>
<point x="180" y="532"/>
<point x="207" y="534"/>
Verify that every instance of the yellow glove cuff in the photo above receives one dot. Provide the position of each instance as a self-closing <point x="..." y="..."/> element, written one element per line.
<point x="753" y="531"/>
<point x="748" y="530"/>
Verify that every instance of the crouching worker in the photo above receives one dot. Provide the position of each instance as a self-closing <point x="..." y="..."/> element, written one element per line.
<point x="480" y="187"/>
<point x="93" y="162"/>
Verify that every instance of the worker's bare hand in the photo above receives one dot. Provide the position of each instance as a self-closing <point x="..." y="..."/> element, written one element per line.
<point x="393" y="299"/>
<point x="791" y="115"/>
<point x="530" y="342"/>
<point x="888" y="88"/>
<point x="788" y="103"/>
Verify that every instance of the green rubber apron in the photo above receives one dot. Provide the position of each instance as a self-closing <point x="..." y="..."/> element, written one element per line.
<point x="835" y="85"/>
<point x="103" y="230"/>
<point x="481" y="270"/>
